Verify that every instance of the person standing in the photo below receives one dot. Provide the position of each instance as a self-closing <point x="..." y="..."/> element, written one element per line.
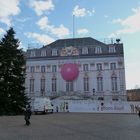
<point x="139" y="113"/>
<point x="27" y="115"/>
<point x="67" y="107"/>
<point x="57" y="109"/>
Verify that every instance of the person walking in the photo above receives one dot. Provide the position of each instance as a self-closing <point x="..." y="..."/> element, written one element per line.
<point x="27" y="115"/>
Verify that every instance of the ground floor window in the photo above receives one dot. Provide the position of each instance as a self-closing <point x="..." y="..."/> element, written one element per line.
<point x="99" y="84"/>
<point x="54" y="85"/>
<point x="114" y="83"/>
<point x="86" y="84"/>
<point x="42" y="86"/>
<point x="69" y="86"/>
<point x="31" y="85"/>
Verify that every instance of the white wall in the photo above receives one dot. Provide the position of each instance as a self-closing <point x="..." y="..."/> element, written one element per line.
<point x="78" y="83"/>
<point x="94" y="106"/>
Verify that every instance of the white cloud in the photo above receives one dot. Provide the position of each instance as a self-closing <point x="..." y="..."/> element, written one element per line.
<point x="82" y="31"/>
<point x="132" y="74"/>
<point x="8" y="9"/>
<point x="59" y="32"/>
<point x="117" y="21"/>
<point x="81" y="12"/>
<point x="41" y="38"/>
<point x="22" y="20"/>
<point x="1" y="31"/>
<point x="43" y="22"/>
<point x="106" y="16"/>
<point x="129" y="25"/>
<point x="90" y="13"/>
<point x="41" y="6"/>
<point x="112" y="35"/>
<point x="21" y="46"/>
<point x="135" y="10"/>
<point x="93" y="11"/>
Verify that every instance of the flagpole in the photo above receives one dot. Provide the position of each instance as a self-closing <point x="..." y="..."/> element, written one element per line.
<point x="73" y="26"/>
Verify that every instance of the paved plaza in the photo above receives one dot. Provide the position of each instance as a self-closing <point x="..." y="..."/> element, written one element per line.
<point x="71" y="126"/>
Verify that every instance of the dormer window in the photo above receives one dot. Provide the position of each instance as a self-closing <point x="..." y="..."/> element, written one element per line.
<point x="112" y="49"/>
<point x="32" y="54"/>
<point x="98" y="50"/>
<point x="54" y="52"/>
<point x="43" y="52"/>
<point x="84" y="50"/>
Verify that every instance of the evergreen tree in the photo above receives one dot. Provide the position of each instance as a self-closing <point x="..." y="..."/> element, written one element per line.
<point x="12" y="75"/>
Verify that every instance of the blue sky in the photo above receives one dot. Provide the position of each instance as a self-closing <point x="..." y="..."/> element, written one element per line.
<point x="39" y="22"/>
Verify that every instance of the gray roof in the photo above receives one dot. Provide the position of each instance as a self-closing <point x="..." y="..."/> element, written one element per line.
<point x="75" y="42"/>
<point x="78" y="43"/>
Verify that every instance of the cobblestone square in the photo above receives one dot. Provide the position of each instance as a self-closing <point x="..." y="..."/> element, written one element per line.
<point x="71" y="126"/>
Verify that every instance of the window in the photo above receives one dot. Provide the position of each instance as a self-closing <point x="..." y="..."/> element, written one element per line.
<point x="99" y="84"/>
<point x="112" y="49"/>
<point x="54" y="68"/>
<point x="99" y="66"/>
<point x="114" y="83"/>
<point x="43" y="52"/>
<point x="86" y="84"/>
<point x="54" y="84"/>
<point x="54" y="52"/>
<point x="112" y="66"/>
<point x="31" y="85"/>
<point x="32" y="54"/>
<point x="98" y="50"/>
<point x="42" y="86"/>
<point x="32" y="69"/>
<point x="27" y="68"/>
<point x="85" y="67"/>
<point x="42" y="69"/>
<point x="69" y="86"/>
<point x="84" y="50"/>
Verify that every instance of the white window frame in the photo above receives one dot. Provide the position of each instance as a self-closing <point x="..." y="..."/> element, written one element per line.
<point x="69" y="86"/>
<point x="54" y="84"/>
<point x="85" y="50"/>
<point x="99" y="66"/>
<point x="32" y="54"/>
<point x="98" y="50"/>
<point x="54" y="52"/>
<point x="99" y="84"/>
<point x="32" y="69"/>
<point x="85" y="67"/>
<point x="54" y="68"/>
<point x="114" y="84"/>
<point x="86" y="83"/>
<point x="43" y="69"/>
<point x="112" y="49"/>
<point x="43" y="52"/>
<point x="42" y="86"/>
<point x="31" y="85"/>
<point x="113" y="66"/>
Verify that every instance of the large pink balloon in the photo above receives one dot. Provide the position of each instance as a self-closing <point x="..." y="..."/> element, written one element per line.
<point x="69" y="72"/>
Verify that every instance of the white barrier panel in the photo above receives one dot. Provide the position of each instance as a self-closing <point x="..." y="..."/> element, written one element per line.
<point x="96" y="106"/>
<point x="102" y="107"/>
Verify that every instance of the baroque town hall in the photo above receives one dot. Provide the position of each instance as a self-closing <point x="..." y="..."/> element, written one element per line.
<point x="83" y="67"/>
